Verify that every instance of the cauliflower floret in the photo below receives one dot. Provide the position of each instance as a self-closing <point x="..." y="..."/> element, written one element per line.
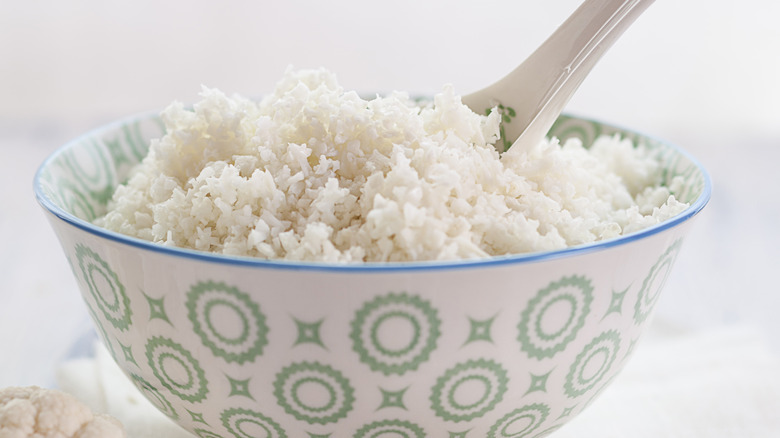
<point x="33" y="412"/>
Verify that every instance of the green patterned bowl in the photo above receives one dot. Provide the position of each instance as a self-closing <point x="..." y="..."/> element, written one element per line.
<point x="236" y="347"/>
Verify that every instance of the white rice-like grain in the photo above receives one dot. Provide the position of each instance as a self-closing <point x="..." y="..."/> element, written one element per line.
<point x="313" y="172"/>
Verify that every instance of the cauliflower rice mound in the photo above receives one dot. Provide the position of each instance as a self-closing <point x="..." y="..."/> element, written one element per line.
<point x="313" y="172"/>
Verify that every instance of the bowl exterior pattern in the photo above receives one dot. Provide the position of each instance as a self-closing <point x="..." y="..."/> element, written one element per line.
<point x="233" y="348"/>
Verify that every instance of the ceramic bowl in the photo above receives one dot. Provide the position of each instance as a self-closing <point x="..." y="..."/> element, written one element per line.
<point x="236" y="347"/>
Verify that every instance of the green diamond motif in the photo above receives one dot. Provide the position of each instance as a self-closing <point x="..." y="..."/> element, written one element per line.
<point x="538" y="383"/>
<point x="390" y="429"/>
<point x="237" y="421"/>
<point x="196" y="417"/>
<point x="176" y="369"/>
<point x="392" y="399"/>
<point x="395" y="333"/>
<point x="309" y="332"/>
<point x="469" y="390"/>
<point x="567" y="412"/>
<point x="156" y="308"/>
<point x="227" y="321"/>
<point x="459" y="434"/>
<point x="616" y="303"/>
<point x="239" y="387"/>
<point x="480" y="330"/>
<point x="301" y="387"/>
<point x="106" y="291"/>
<point x="203" y="433"/>
<point x="542" y="336"/>
<point x="127" y="351"/>
<point x="318" y="435"/>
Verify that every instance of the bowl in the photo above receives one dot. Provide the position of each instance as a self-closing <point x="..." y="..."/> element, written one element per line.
<point x="226" y="346"/>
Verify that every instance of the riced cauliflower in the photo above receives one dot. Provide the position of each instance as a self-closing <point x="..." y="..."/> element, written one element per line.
<point x="314" y="172"/>
<point x="33" y="412"/>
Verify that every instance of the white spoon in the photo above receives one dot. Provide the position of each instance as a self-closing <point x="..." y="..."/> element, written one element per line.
<point x="533" y="95"/>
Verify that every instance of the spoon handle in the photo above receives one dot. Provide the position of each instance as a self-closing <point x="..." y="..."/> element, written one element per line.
<point x="535" y="93"/>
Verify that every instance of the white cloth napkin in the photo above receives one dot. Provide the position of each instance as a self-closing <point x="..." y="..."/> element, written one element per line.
<point x="720" y="383"/>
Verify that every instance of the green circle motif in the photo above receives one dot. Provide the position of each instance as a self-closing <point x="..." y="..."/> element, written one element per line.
<point x="569" y="127"/>
<point x="91" y="157"/>
<point x="488" y="372"/>
<point x="204" y="297"/>
<point x="368" y="343"/>
<point x="290" y="380"/>
<point x="116" y="310"/>
<point x="400" y="352"/>
<point x="162" y="358"/>
<point x="242" y="337"/>
<point x="73" y="200"/>
<point x="154" y="396"/>
<point x="582" y="379"/>
<point x="114" y="304"/>
<point x="454" y="388"/>
<point x="390" y="429"/>
<point x="321" y="382"/>
<point x="534" y="340"/>
<point x="647" y="298"/>
<point x="539" y="330"/>
<point x="234" y="418"/>
<point x="576" y="383"/>
<point x="535" y="413"/>
<point x="159" y="349"/>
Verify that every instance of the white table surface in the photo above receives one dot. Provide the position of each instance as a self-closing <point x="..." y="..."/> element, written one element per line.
<point x="703" y="74"/>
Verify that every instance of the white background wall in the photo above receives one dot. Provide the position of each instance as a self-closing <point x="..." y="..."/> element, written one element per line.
<point x="701" y="73"/>
<point x="703" y="62"/>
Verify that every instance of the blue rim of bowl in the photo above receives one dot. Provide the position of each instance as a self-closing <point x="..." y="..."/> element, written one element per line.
<point x="362" y="267"/>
